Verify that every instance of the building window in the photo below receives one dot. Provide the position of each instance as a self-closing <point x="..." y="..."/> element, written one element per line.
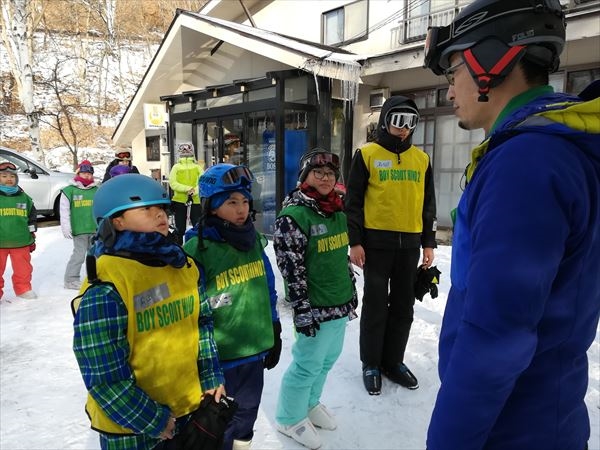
<point x="153" y="148"/>
<point x="577" y="81"/>
<point x="346" y="24"/>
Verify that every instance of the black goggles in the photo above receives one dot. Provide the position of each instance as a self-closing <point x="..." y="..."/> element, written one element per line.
<point x="324" y="159"/>
<point x="436" y="38"/>
<point x="8" y="166"/>
<point x="124" y="155"/>
<point x="237" y="175"/>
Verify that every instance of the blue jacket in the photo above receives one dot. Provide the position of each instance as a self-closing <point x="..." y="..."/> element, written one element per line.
<point x="525" y="298"/>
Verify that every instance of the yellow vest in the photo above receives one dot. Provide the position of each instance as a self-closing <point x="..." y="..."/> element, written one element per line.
<point x="163" y="306"/>
<point x="396" y="191"/>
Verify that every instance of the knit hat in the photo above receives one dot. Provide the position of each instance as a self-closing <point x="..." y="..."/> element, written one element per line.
<point x="119" y="169"/>
<point x="218" y="199"/>
<point x="186" y="150"/>
<point x="85" y="167"/>
<point x="8" y="167"/>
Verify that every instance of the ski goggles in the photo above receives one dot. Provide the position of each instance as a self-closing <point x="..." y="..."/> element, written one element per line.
<point x="8" y="166"/>
<point x="86" y="168"/>
<point x="237" y="175"/>
<point x="323" y="159"/>
<point x="435" y="42"/>
<point x="402" y="119"/>
<point x="185" y="149"/>
<point x="124" y="155"/>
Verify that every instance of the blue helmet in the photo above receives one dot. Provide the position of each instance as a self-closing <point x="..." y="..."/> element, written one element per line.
<point x="122" y="193"/>
<point x="225" y="178"/>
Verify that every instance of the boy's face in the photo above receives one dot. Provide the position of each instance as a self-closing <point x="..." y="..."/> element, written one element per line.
<point x="145" y="219"/>
<point x="8" y="179"/>
<point x="235" y="209"/>
<point x="86" y="175"/>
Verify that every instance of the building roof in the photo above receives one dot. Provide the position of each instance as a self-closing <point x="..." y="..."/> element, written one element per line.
<point x="189" y="57"/>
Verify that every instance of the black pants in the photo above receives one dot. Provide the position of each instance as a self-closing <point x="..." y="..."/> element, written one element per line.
<point x="245" y="384"/>
<point x="388" y="305"/>
<point x="180" y="214"/>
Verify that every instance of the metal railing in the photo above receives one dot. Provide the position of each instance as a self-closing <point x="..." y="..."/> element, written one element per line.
<point x="413" y="29"/>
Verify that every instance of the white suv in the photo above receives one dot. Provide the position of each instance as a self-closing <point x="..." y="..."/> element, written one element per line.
<point x="40" y="183"/>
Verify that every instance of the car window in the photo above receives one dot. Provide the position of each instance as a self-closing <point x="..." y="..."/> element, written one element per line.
<point x="23" y="166"/>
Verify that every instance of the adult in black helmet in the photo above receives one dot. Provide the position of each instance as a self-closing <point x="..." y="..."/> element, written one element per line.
<point x="390" y="204"/>
<point x="523" y="307"/>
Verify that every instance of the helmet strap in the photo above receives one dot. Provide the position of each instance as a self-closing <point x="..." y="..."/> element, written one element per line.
<point x="487" y="79"/>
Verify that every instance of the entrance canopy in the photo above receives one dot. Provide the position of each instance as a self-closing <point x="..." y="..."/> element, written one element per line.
<point x="199" y="51"/>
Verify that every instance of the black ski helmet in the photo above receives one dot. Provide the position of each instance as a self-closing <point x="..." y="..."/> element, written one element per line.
<point x="495" y="34"/>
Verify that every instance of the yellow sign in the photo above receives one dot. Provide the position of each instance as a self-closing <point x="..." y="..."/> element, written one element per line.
<point x="155" y="116"/>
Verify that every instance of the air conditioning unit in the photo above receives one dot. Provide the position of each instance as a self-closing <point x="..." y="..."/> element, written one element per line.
<point x="377" y="97"/>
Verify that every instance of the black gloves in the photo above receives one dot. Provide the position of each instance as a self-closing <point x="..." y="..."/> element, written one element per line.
<point x="426" y="282"/>
<point x="272" y="358"/>
<point x="206" y="426"/>
<point x="304" y="321"/>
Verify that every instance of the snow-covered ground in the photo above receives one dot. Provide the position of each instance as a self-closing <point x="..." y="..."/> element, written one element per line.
<point x="42" y="395"/>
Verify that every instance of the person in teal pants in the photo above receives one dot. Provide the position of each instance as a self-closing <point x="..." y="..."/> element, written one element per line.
<point x="311" y="248"/>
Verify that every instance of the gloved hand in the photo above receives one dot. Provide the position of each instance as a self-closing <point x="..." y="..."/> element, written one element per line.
<point x="304" y="321"/>
<point x="426" y="282"/>
<point x="206" y="426"/>
<point x="272" y="358"/>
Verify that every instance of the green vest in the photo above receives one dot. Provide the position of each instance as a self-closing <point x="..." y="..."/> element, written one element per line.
<point x="326" y="260"/>
<point x="238" y="293"/>
<point x="14" y="220"/>
<point x="81" y="201"/>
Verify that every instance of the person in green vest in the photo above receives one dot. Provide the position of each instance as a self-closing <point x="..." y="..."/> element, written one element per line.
<point x="183" y="180"/>
<point x="17" y="231"/>
<point x="311" y="247"/>
<point x="240" y="285"/>
<point x="77" y="220"/>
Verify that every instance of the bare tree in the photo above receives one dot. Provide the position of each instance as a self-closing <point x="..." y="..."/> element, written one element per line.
<point x="18" y="24"/>
<point x="67" y="116"/>
<point x="105" y="10"/>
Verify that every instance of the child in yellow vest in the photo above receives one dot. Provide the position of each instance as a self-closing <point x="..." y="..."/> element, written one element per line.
<point x="143" y="334"/>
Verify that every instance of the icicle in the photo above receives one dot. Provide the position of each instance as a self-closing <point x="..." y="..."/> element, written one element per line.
<point x="317" y="87"/>
<point x="347" y="72"/>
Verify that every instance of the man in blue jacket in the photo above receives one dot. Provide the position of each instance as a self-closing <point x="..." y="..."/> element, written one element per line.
<point x="525" y="298"/>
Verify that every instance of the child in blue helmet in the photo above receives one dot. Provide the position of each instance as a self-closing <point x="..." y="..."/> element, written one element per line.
<point x="311" y="247"/>
<point x="239" y="281"/>
<point x="142" y="331"/>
